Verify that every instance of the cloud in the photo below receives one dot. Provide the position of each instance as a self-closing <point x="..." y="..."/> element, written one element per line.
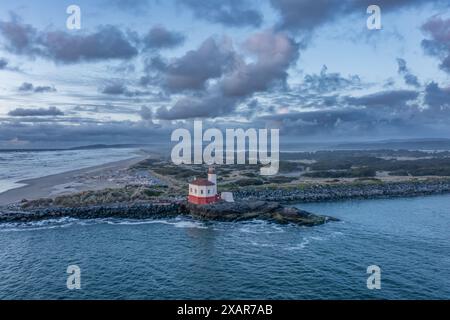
<point x="29" y="87"/>
<point x="307" y="15"/>
<point x="20" y="37"/>
<point x="380" y="114"/>
<point x="275" y="53"/>
<point x="196" y="67"/>
<point x="124" y="68"/>
<point x="3" y="63"/>
<point x="59" y="135"/>
<point x="362" y="123"/>
<point x="121" y="89"/>
<point x="134" y="6"/>
<point x="341" y="124"/>
<point x="236" y="80"/>
<point x="384" y="114"/>
<point x="146" y="113"/>
<point x="108" y="42"/>
<point x="323" y="122"/>
<point x="26" y="86"/>
<point x="403" y="70"/>
<point x="436" y="97"/>
<point x="230" y="13"/>
<point x="160" y="38"/>
<point x="328" y="82"/>
<point x="209" y="106"/>
<point x="115" y="89"/>
<point x="392" y="99"/>
<point x="41" y="89"/>
<point x="439" y="44"/>
<point x="154" y="68"/>
<point x="41" y="112"/>
<point x="106" y="108"/>
<point x="321" y="90"/>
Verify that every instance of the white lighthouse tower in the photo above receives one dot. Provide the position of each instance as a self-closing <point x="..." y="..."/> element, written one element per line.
<point x="212" y="177"/>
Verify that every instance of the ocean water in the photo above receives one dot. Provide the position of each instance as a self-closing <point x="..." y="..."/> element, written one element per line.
<point x="408" y="239"/>
<point x="23" y="165"/>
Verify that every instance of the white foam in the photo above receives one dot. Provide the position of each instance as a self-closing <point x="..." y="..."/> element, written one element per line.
<point x="260" y="226"/>
<point x="178" y="223"/>
<point x="260" y="244"/>
<point x="38" y="225"/>
<point x="302" y="245"/>
<point x="308" y="240"/>
<point x="189" y="224"/>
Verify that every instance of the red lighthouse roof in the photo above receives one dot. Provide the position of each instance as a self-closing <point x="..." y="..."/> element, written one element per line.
<point x="202" y="182"/>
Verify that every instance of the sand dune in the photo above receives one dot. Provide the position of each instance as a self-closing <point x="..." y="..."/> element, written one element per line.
<point x="68" y="182"/>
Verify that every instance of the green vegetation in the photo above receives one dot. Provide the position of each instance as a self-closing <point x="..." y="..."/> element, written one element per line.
<point x="352" y="173"/>
<point x="360" y="163"/>
<point x="249" y="182"/>
<point x="288" y="166"/>
<point x="280" y="179"/>
<point x="106" y="196"/>
<point x="249" y="174"/>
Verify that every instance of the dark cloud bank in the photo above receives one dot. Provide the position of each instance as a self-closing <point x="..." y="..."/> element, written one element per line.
<point x="300" y="16"/>
<point x="108" y="42"/>
<point x="231" y="13"/>
<point x="41" y="112"/>
<point x="439" y="45"/>
<point x="29" y="87"/>
<point x="105" y="43"/>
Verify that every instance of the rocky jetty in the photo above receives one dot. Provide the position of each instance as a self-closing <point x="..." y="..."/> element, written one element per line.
<point x="262" y="210"/>
<point x="121" y="210"/>
<point x="318" y="193"/>
<point x="222" y="211"/>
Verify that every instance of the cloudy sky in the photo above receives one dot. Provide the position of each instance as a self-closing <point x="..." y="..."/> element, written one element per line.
<point x="137" y="69"/>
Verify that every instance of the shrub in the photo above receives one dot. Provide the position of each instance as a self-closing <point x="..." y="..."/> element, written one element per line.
<point x="249" y="182"/>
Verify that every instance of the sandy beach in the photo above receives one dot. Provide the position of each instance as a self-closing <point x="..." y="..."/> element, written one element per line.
<point x="92" y="178"/>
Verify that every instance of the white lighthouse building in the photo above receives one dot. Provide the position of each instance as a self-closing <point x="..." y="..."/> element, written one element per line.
<point x="204" y="191"/>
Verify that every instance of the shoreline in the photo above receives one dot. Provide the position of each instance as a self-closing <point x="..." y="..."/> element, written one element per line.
<point x="65" y="183"/>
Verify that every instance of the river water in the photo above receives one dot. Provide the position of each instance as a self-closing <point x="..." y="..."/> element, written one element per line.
<point x="409" y="239"/>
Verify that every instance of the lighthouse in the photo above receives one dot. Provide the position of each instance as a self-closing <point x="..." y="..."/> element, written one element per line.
<point x="212" y="177"/>
<point x="204" y="191"/>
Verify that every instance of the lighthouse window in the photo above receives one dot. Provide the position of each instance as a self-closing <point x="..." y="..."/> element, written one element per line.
<point x="202" y="191"/>
<point x="209" y="191"/>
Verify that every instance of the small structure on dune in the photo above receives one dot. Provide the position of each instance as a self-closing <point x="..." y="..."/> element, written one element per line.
<point x="204" y="191"/>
